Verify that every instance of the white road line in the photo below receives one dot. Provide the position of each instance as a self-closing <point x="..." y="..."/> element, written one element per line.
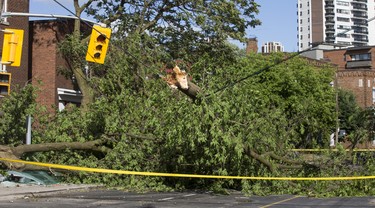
<point x="187" y="195"/>
<point x="166" y="199"/>
<point x="171" y="198"/>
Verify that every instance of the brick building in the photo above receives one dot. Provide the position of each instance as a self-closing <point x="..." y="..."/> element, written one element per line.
<point x="41" y="61"/>
<point x="46" y="63"/>
<point x="356" y="72"/>
<point x="252" y="45"/>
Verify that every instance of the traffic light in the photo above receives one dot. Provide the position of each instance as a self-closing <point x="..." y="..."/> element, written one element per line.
<point x="12" y="47"/>
<point x="5" y="79"/>
<point x="98" y="44"/>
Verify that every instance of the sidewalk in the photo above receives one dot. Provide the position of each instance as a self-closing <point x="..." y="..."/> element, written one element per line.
<point x="10" y="193"/>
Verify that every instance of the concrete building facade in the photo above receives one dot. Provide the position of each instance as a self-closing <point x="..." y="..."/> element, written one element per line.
<point x="270" y="47"/>
<point x="342" y="22"/>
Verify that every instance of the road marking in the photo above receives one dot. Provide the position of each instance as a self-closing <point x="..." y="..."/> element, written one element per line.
<point x="166" y="199"/>
<point x="171" y="198"/>
<point x="187" y="195"/>
<point x="279" y="202"/>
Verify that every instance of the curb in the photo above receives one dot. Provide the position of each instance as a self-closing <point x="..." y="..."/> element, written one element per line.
<point x="13" y="193"/>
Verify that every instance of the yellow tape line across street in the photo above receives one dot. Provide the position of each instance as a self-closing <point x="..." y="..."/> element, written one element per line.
<point x="333" y="150"/>
<point x="125" y="172"/>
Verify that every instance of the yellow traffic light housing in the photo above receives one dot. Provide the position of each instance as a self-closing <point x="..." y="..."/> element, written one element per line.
<point x="98" y="44"/>
<point x="5" y="79"/>
<point x="12" y="47"/>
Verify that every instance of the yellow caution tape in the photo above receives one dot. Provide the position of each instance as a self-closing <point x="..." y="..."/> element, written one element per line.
<point x="124" y="172"/>
<point x="334" y="150"/>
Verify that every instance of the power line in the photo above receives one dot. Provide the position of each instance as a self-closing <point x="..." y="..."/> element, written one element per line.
<point x="220" y="89"/>
<point x="232" y="84"/>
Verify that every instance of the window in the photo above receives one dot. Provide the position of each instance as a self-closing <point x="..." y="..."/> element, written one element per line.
<point x="343" y="11"/>
<point x="343" y="35"/>
<point x="343" y="19"/>
<point x="361" y="57"/>
<point x="360" y="83"/>
<point x="345" y="27"/>
<point x="343" y="3"/>
<point x="301" y="37"/>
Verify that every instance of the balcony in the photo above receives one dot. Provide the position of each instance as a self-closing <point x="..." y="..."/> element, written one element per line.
<point x="360" y="1"/>
<point x="330" y="30"/>
<point x="360" y="32"/>
<point x="359" y="7"/>
<point x="329" y="6"/>
<point x="362" y="23"/>
<point x="358" y="64"/>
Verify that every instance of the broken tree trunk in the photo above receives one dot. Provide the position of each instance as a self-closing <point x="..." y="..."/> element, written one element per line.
<point x="192" y="91"/>
<point x="17" y="152"/>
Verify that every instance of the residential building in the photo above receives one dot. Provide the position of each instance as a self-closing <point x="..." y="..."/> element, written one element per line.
<point x="46" y="63"/>
<point x="355" y="69"/>
<point x="356" y="72"/>
<point x="270" y="47"/>
<point x="341" y="22"/>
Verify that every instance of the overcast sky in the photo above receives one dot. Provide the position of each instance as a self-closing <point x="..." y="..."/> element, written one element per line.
<point x="279" y="20"/>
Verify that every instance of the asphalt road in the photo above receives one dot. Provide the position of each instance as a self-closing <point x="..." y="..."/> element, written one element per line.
<point x="114" y="198"/>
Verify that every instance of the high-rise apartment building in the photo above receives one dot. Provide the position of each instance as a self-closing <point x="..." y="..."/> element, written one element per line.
<point x="341" y="22"/>
<point x="270" y="47"/>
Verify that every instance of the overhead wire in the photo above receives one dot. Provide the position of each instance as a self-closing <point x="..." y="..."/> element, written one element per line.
<point x="232" y="84"/>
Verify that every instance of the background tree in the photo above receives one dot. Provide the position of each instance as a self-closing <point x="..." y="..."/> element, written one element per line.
<point x="15" y="110"/>
<point x="348" y="108"/>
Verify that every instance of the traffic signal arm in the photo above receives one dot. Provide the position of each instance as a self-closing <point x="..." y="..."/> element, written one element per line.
<point x="98" y="44"/>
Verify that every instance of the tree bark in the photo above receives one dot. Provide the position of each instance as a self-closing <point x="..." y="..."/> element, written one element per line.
<point x="192" y="91"/>
<point x="17" y="152"/>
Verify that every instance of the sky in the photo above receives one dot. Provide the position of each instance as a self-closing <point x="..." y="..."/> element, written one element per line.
<point x="278" y="17"/>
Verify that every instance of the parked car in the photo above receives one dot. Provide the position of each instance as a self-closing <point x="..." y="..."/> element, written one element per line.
<point x="31" y="177"/>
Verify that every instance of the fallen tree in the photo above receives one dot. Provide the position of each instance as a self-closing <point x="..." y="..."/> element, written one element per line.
<point x="19" y="151"/>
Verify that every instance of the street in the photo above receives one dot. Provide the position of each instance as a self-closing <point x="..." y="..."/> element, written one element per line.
<point x="115" y="198"/>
